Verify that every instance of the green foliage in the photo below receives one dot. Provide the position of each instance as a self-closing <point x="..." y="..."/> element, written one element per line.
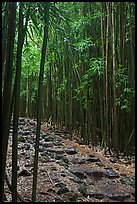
<point x="126" y="93"/>
<point x="84" y="44"/>
<point x="86" y="90"/>
<point x="96" y="67"/>
<point x="121" y="76"/>
<point x="30" y="70"/>
<point x="124" y="100"/>
<point x="74" y="68"/>
<point x="62" y="88"/>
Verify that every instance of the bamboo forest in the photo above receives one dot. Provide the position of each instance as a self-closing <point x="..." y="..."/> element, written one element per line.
<point x="68" y="101"/>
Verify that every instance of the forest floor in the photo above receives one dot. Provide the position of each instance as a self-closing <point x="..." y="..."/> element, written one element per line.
<point x="68" y="171"/>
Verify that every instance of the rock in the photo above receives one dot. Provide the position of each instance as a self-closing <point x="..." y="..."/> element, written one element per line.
<point x="24" y="173"/>
<point x="29" y="129"/>
<point x="83" y="189"/>
<point x="56" y="150"/>
<point x="21" y="119"/>
<point x="51" y="190"/>
<point x="42" y="149"/>
<point x="42" y="193"/>
<point x="49" y="138"/>
<point x="50" y="128"/>
<point x="58" y="156"/>
<point x="99" y="163"/>
<point x="92" y="159"/>
<point x="78" y="160"/>
<point x="23" y="153"/>
<point x="118" y="196"/>
<point x="27" y="132"/>
<point x="113" y="159"/>
<point x="72" y="196"/>
<point x="95" y="195"/>
<point x="21" y="127"/>
<point x="65" y="159"/>
<point x="33" y="130"/>
<point x="51" y="154"/>
<point x="63" y="174"/>
<point x="31" y="140"/>
<point x="62" y="163"/>
<point x="60" y="184"/>
<point x="46" y="158"/>
<point x="27" y="146"/>
<point x="55" y="178"/>
<point x="110" y="173"/>
<point x="70" y="150"/>
<point x="128" y="181"/>
<point x="27" y="157"/>
<point x="48" y="144"/>
<point x="32" y="122"/>
<point x="58" y="200"/>
<point x="57" y="143"/>
<point x="20" y="132"/>
<point x="44" y="135"/>
<point x="11" y="130"/>
<point x="29" y="165"/>
<point x="21" y="123"/>
<point x="53" y="168"/>
<point x="44" y="153"/>
<point x="97" y="174"/>
<point x="78" y="172"/>
<point x="62" y="157"/>
<point x="76" y="179"/>
<point x="62" y="190"/>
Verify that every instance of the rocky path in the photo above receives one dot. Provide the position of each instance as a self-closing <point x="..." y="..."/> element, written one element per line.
<point x="68" y="171"/>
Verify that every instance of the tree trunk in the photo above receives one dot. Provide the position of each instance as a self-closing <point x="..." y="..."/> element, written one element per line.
<point x="106" y="87"/>
<point x="6" y="101"/>
<point x="16" y="105"/>
<point x="21" y="37"/>
<point x="115" y="136"/>
<point x="27" y="94"/>
<point x="103" y="80"/>
<point x="4" y="40"/>
<point x="47" y="5"/>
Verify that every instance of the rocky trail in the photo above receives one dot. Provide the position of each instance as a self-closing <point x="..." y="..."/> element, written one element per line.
<point x="68" y="171"/>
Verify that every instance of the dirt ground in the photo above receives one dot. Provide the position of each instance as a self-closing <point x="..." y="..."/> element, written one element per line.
<point x="52" y="173"/>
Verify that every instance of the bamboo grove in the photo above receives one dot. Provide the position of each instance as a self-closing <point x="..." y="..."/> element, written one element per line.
<point x="89" y="69"/>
